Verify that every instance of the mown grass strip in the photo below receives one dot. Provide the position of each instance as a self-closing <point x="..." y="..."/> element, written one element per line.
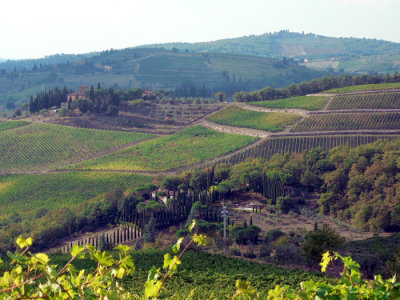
<point x="236" y="116"/>
<point x="12" y="124"/>
<point x="302" y="102"/>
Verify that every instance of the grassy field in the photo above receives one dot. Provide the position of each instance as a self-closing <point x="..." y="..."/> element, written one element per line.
<point x="365" y="87"/>
<point x="41" y="146"/>
<point x="11" y="124"/>
<point x="304" y="102"/>
<point x="191" y="145"/>
<point x="26" y="194"/>
<point x="351" y="121"/>
<point x="366" y="101"/>
<point x="235" y="116"/>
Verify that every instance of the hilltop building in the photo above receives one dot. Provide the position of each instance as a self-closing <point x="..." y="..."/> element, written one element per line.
<point x="80" y="94"/>
<point x="148" y="95"/>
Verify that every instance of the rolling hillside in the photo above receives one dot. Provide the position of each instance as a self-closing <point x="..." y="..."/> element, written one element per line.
<point x="185" y="74"/>
<point x="349" y="54"/>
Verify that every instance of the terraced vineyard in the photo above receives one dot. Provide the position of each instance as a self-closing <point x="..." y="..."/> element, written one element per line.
<point x="26" y="194"/>
<point x="185" y="147"/>
<point x="236" y="116"/>
<point x="41" y="146"/>
<point x="12" y="124"/>
<point x="348" y="121"/>
<point x="366" y="101"/>
<point x="303" y="102"/>
<point x="298" y="144"/>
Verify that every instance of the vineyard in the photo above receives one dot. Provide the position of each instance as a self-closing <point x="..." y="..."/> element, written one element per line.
<point x="298" y="144"/>
<point x="11" y="124"/>
<point x="366" y="101"/>
<point x="211" y="276"/>
<point x="42" y="146"/>
<point x="236" y="116"/>
<point x="303" y="102"/>
<point x="348" y="121"/>
<point x="27" y="194"/>
<point x="365" y="87"/>
<point x="189" y="146"/>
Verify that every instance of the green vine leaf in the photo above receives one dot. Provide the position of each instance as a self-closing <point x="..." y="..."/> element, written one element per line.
<point x="22" y="243"/>
<point x="326" y="259"/>
<point x="177" y="246"/>
<point x="151" y="289"/>
<point x="193" y="225"/>
<point x="171" y="263"/>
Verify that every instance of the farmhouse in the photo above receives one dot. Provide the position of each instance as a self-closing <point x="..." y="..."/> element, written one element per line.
<point x="80" y="94"/>
<point x="148" y="95"/>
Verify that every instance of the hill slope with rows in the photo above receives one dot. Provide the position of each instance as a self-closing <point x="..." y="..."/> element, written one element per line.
<point x="366" y="101"/>
<point x="40" y="146"/>
<point x="348" y="121"/>
<point x="189" y="146"/>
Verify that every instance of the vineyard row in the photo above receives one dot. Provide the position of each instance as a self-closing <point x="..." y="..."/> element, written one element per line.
<point x="299" y="144"/>
<point x="366" y="101"/>
<point x="350" y="121"/>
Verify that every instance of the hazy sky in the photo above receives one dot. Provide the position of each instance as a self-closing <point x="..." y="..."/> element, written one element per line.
<point x="35" y="28"/>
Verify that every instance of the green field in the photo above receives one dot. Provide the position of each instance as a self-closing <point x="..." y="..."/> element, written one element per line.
<point x="236" y="116"/>
<point x="365" y="87"/>
<point x="189" y="146"/>
<point x="41" y="146"/>
<point x="304" y="102"/>
<point x="348" y="121"/>
<point x="366" y="101"/>
<point x="26" y="194"/>
<point x="12" y="124"/>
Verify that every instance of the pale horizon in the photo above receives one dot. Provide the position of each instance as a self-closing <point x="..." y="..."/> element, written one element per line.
<point x="43" y="28"/>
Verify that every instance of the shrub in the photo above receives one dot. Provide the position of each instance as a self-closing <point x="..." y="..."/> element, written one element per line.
<point x="320" y="241"/>
<point x="286" y="252"/>
<point x="235" y="252"/>
<point x="250" y="255"/>
<point x="264" y="250"/>
<point x="284" y="204"/>
<point x="274" y="234"/>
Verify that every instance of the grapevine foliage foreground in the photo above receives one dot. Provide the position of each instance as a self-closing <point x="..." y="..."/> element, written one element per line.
<point x="31" y="276"/>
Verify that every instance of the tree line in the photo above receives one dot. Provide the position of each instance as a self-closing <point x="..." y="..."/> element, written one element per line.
<point x="313" y="86"/>
<point x="95" y="100"/>
<point x="48" y="99"/>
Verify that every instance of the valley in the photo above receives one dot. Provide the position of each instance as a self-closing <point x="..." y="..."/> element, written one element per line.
<point x="287" y="169"/>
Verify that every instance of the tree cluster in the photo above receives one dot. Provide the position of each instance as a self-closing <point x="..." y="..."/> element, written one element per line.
<point x="313" y="86"/>
<point x="48" y="99"/>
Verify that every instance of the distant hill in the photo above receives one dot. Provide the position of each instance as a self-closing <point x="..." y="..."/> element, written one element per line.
<point x="183" y="73"/>
<point x="28" y="64"/>
<point x="350" y="54"/>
